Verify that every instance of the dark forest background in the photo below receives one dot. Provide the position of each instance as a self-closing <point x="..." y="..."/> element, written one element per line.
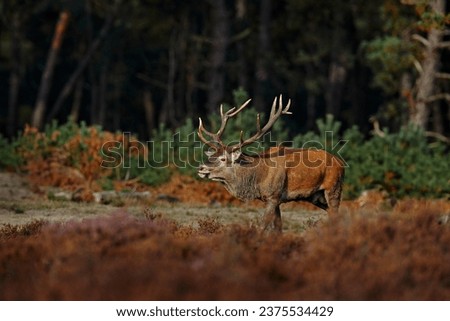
<point x="132" y="65"/>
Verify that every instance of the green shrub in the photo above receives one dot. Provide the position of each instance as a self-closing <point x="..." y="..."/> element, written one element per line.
<point x="186" y="149"/>
<point x="149" y="163"/>
<point x="8" y="157"/>
<point x="155" y="176"/>
<point x="405" y="164"/>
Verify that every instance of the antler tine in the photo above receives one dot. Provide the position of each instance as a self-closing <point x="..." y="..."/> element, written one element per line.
<point x="280" y="103"/>
<point x="227" y="115"/>
<point x="231" y="113"/>
<point x="275" y="113"/>
<point x="224" y="119"/>
<point x="241" y="137"/>
<point x="286" y="110"/>
<point x="202" y="130"/>
<point x="274" y="106"/>
<point x="258" y="122"/>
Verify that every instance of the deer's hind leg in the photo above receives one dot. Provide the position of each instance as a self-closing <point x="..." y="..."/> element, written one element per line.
<point x="333" y="198"/>
<point x="318" y="199"/>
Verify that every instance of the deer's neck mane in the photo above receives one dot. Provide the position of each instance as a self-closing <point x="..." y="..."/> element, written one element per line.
<point x="246" y="183"/>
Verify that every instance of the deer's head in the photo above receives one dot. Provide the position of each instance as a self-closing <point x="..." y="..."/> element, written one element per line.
<point x="220" y="165"/>
<point x="222" y="159"/>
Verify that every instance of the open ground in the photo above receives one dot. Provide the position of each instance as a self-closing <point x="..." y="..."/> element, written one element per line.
<point x="166" y="248"/>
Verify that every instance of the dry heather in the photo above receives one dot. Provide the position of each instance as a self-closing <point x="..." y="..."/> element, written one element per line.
<point x="353" y="257"/>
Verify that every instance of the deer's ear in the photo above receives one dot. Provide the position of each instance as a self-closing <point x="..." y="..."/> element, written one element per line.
<point x="209" y="153"/>
<point x="235" y="155"/>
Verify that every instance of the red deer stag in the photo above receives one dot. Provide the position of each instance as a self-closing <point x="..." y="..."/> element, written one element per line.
<point x="275" y="176"/>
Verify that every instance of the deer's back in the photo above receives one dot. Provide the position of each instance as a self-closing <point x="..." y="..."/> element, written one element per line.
<point x="304" y="170"/>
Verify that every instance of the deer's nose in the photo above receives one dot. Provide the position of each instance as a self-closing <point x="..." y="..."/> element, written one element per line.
<point x="203" y="171"/>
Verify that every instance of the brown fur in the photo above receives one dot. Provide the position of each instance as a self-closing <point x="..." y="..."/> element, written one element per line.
<point x="277" y="176"/>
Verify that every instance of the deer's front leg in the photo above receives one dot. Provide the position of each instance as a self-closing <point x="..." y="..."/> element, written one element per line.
<point x="272" y="216"/>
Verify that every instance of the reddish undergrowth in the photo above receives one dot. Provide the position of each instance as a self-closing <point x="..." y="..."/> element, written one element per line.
<point x="353" y="257"/>
<point x="189" y="190"/>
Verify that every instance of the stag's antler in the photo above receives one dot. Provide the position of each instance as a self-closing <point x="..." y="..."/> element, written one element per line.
<point x="224" y="117"/>
<point x="275" y="113"/>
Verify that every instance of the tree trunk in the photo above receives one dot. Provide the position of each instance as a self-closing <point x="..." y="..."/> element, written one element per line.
<point x="47" y="75"/>
<point x="149" y="112"/>
<point x="336" y="80"/>
<point x="77" y="98"/>
<point x="220" y="38"/>
<point x="338" y="68"/>
<point x="81" y="67"/>
<point x="311" y="114"/>
<point x="430" y="65"/>
<point x="191" y="82"/>
<point x="93" y="107"/>
<point x="438" y="124"/>
<point x="181" y="102"/>
<point x="91" y="69"/>
<point x="171" y="73"/>
<point x="262" y="73"/>
<point x="241" y="12"/>
<point x="407" y="92"/>
<point x="14" y="78"/>
<point x="102" y="104"/>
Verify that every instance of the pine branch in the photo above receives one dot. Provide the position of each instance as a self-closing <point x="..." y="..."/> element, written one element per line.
<point x="421" y="39"/>
<point x="444" y="44"/>
<point x="442" y="75"/>
<point x="443" y="96"/>
<point x="438" y="136"/>
<point x="418" y="66"/>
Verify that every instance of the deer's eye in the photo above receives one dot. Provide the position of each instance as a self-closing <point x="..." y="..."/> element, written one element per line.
<point x="222" y="158"/>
